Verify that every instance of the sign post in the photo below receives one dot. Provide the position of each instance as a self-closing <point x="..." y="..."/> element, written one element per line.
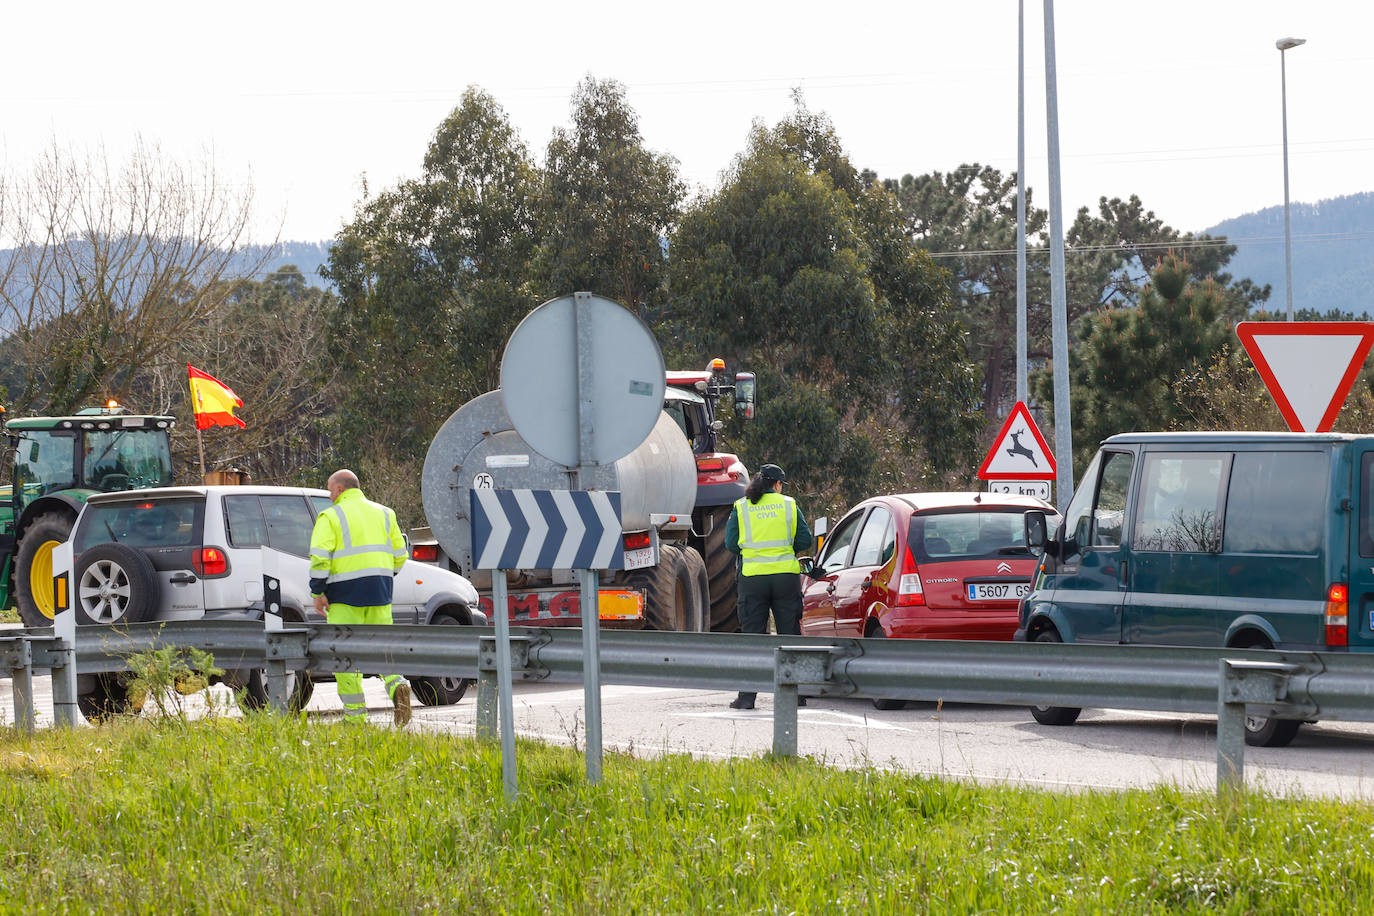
<point x="1019" y="461"/>
<point x="583" y="382"/>
<point x="1308" y="366"/>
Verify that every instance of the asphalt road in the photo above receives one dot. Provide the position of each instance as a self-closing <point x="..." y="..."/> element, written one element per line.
<point x="1107" y="749"/>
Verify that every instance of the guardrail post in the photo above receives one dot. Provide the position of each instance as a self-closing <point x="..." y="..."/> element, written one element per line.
<point x="1243" y="681"/>
<point x="794" y="665"/>
<point x="64" y="709"/>
<point x="284" y="649"/>
<point x="20" y="665"/>
<point x="488" y="689"/>
<point x="1230" y="731"/>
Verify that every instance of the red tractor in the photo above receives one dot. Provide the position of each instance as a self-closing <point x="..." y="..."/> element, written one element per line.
<point x="694" y="401"/>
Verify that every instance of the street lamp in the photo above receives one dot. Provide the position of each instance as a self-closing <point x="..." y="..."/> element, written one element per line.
<point x="1283" y="44"/>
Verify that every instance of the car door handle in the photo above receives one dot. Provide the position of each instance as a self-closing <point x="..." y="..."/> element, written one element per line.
<point x="182" y="579"/>
<point x="830" y="589"/>
<point x="867" y="583"/>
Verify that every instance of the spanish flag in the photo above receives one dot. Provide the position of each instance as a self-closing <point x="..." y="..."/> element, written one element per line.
<point x="212" y="400"/>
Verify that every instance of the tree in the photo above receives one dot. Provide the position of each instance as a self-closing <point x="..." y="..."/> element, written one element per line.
<point x="608" y="204"/>
<point x="818" y="290"/>
<point x="1127" y="366"/>
<point x="432" y="278"/>
<point x="113" y="267"/>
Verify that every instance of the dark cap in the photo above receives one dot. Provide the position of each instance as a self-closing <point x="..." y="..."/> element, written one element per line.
<point x="772" y="472"/>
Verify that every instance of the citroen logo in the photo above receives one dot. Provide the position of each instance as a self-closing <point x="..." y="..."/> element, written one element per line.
<point x="1004" y="567"/>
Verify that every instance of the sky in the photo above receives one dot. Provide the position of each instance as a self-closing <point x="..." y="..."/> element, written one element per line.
<point x="1177" y="102"/>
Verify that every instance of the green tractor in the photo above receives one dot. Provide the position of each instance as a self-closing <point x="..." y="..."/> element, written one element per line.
<point x="55" y="464"/>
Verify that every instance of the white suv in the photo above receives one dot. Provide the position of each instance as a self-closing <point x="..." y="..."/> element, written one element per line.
<point x="187" y="553"/>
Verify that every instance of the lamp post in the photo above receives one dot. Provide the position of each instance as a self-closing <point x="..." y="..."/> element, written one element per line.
<point x="1283" y="44"/>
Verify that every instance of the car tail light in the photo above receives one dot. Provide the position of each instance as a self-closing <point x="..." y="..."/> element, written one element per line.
<point x="425" y="553"/>
<point x="634" y="541"/>
<point x="706" y="463"/>
<point x="1337" y="615"/>
<point x="909" y="591"/>
<point x="210" y="562"/>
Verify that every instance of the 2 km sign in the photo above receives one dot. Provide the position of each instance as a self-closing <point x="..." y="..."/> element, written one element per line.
<point x="1019" y="460"/>
<point x="1308" y="366"/>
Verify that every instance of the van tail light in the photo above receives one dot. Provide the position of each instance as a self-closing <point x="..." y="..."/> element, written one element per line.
<point x="1337" y="615"/>
<point x="210" y="562"/>
<point x="425" y="553"/>
<point x="710" y="463"/>
<point x="909" y="591"/>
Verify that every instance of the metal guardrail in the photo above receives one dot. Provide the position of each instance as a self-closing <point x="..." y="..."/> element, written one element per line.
<point x="1228" y="682"/>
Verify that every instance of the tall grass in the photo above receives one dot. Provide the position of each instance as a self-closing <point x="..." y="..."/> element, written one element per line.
<point x="269" y="814"/>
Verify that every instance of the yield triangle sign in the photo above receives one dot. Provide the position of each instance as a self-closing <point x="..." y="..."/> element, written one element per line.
<point x="1308" y="366"/>
<point x="1019" y="452"/>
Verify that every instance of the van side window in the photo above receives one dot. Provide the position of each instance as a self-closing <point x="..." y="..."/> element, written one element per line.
<point x="1109" y="514"/>
<point x="1367" y="505"/>
<point x="1180" y="503"/>
<point x="1277" y="502"/>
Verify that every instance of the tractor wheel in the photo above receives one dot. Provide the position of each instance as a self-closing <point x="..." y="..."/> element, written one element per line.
<point x="33" y="568"/>
<point x="721" y="573"/>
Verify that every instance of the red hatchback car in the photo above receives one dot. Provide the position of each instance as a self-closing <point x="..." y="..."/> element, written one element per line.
<point x="924" y="566"/>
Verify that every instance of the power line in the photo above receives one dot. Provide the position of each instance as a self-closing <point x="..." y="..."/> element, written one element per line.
<point x="1163" y="246"/>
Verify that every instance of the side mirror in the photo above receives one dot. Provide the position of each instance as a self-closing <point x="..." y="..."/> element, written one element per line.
<point x="808" y="566"/>
<point x="744" y="394"/>
<point x="1037" y="530"/>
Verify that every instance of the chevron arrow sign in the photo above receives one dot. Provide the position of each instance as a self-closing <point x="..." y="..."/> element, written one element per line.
<point x="546" y="529"/>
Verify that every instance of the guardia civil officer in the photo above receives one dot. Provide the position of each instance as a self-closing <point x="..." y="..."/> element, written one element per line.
<point x="356" y="550"/>
<point x="767" y="530"/>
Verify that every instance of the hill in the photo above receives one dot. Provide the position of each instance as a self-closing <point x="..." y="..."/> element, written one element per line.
<point x="1333" y="252"/>
<point x="308" y="256"/>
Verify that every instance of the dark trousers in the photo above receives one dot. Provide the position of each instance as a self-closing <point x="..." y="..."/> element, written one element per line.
<point x="780" y="592"/>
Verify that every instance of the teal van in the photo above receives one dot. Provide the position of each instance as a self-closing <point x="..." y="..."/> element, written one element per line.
<point x="1237" y="539"/>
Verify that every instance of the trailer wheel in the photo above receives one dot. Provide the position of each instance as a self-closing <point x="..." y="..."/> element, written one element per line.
<point x="721" y="573"/>
<point x="33" y="567"/>
<point x="667" y="590"/>
<point x="699" y="616"/>
<point x="110" y="698"/>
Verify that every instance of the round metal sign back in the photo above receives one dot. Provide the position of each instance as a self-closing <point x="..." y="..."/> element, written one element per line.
<point x="582" y="378"/>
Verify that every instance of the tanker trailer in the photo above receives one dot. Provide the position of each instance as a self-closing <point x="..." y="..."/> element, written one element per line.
<point x="664" y="583"/>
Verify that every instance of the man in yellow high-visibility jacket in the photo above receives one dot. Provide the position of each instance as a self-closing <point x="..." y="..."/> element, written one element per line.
<point x="768" y="530"/>
<point x="356" y="550"/>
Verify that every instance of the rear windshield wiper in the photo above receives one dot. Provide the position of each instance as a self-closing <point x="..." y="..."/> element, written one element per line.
<point x="113" y="536"/>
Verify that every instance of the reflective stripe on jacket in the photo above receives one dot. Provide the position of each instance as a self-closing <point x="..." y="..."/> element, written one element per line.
<point x="355" y="551"/>
<point x="766" y="531"/>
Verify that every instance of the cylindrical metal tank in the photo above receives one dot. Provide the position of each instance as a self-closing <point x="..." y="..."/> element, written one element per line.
<point x="478" y="446"/>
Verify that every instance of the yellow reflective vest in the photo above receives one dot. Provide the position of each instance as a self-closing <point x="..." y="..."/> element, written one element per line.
<point x="766" y="531"/>
<point x="356" y="549"/>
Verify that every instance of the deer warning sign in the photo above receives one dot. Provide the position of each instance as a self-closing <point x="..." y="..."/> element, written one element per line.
<point x="1019" y="452"/>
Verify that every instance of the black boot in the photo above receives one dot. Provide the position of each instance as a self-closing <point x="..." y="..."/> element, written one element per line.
<point x="743" y="701"/>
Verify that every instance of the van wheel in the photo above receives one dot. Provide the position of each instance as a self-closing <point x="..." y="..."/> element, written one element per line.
<point x="440" y="691"/>
<point x="114" y="585"/>
<point x="1264" y="731"/>
<point x="1054" y="715"/>
<point x="253" y="684"/>
<point x="33" y="568"/>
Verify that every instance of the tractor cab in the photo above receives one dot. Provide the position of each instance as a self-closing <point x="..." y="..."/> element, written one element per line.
<point x="54" y="464"/>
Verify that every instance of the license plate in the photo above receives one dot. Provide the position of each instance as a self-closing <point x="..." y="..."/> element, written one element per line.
<point x="639" y="558"/>
<point x="997" y="591"/>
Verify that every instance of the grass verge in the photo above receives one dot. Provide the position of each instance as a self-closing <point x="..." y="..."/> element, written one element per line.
<point x="269" y="814"/>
